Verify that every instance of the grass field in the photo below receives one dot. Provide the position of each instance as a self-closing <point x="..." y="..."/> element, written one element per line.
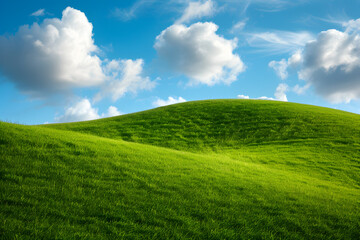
<point x="217" y="169"/>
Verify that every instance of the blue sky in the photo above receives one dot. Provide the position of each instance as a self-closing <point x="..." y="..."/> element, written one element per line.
<point x="79" y="60"/>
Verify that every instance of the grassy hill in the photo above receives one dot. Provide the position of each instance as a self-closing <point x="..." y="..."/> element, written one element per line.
<point x="215" y="125"/>
<point x="220" y="169"/>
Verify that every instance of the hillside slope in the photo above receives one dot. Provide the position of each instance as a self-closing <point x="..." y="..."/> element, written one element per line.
<point x="81" y="181"/>
<point x="294" y="136"/>
<point x="219" y="124"/>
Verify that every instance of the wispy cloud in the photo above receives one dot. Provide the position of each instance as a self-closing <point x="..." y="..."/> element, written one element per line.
<point x="278" y="41"/>
<point x="275" y="5"/>
<point x="38" y="13"/>
<point x="339" y="19"/>
<point x="130" y="13"/>
<point x="265" y="5"/>
<point x="240" y="25"/>
<point x="201" y="8"/>
<point x="196" y="10"/>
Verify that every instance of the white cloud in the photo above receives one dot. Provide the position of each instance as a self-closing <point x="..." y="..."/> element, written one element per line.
<point x="279" y="41"/>
<point x="38" y="13"/>
<point x="199" y="53"/>
<point x="300" y="90"/>
<point x="52" y="57"/>
<point x="239" y="26"/>
<point x="124" y="76"/>
<point x="160" y="102"/>
<point x="280" y="68"/>
<point x="352" y="25"/>
<point x="196" y="10"/>
<point x="265" y="98"/>
<point x="295" y="60"/>
<point x="111" y="112"/>
<point x="331" y="63"/>
<point x="81" y="111"/>
<point x="242" y="96"/>
<point x="280" y="93"/>
<point x="59" y="55"/>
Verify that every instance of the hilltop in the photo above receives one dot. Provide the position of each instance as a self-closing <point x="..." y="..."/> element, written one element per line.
<point x="224" y="123"/>
<point x="216" y="169"/>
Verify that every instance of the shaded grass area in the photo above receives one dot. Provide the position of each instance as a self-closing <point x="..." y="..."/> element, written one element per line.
<point x="57" y="184"/>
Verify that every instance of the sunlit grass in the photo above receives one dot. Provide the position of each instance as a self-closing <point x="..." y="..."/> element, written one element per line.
<point x="214" y="180"/>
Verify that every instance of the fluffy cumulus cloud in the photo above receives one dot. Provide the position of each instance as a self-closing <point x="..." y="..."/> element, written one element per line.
<point x="53" y="56"/>
<point x="199" y="53"/>
<point x="331" y="63"/>
<point x="83" y="111"/>
<point x="160" y="102"/>
<point x="59" y="55"/>
<point x="196" y="10"/>
<point x="124" y="76"/>
<point x="111" y="112"/>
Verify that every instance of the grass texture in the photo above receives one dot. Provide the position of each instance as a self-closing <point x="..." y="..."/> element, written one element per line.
<point x="217" y="169"/>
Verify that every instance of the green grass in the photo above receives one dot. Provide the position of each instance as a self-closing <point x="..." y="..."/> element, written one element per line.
<point x="221" y="169"/>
